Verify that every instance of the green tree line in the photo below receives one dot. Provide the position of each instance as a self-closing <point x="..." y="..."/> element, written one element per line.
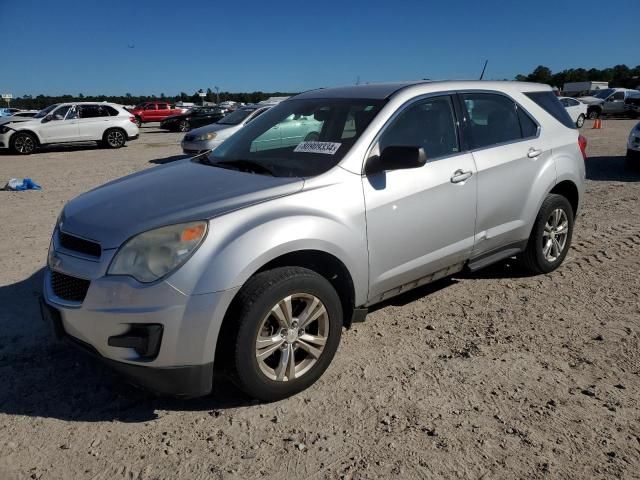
<point x="39" y="102"/>
<point x="620" y="76"/>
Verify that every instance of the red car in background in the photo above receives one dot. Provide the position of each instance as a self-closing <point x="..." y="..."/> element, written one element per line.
<point x="154" y="111"/>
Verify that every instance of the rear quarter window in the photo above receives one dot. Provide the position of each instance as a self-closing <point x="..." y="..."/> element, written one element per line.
<point x="550" y="103"/>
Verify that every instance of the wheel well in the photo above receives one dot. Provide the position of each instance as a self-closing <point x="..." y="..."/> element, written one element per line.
<point x="104" y="134"/>
<point x="597" y="108"/>
<point x="26" y="131"/>
<point x="569" y="191"/>
<point x="329" y="267"/>
<point x="320" y="262"/>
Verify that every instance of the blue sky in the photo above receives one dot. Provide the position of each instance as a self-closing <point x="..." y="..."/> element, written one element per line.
<point x="73" y="46"/>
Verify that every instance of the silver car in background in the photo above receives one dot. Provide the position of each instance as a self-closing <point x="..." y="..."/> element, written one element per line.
<point x="254" y="257"/>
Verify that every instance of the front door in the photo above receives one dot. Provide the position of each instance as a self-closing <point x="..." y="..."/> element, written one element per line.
<point x="63" y="126"/>
<point x="421" y="220"/>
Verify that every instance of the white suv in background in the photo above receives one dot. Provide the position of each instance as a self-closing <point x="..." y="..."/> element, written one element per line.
<point x="106" y="123"/>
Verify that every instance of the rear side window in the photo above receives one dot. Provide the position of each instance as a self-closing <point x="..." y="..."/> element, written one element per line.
<point x="111" y="111"/>
<point x="550" y="103"/>
<point x="93" y="111"/>
<point x="163" y="106"/>
<point x="528" y="127"/>
<point x="496" y="119"/>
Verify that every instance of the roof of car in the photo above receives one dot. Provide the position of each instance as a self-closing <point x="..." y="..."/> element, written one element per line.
<point x="380" y="91"/>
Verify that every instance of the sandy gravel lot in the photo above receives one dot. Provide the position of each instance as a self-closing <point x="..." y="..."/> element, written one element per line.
<point x="490" y="375"/>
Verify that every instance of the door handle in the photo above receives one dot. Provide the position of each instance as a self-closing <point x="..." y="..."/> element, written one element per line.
<point x="460" y="176"/>
<point x="533" y="153"/>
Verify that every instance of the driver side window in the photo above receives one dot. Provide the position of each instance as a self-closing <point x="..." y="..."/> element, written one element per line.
<point x="60" y="113"/>
<point x="429" y="124"/>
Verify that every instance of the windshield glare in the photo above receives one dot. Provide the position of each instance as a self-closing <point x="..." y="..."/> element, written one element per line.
<point x="237" y="117"/>
<point x="274" y="140"/>
<point x="46" y="111"/>
<point x="603" y="94"/>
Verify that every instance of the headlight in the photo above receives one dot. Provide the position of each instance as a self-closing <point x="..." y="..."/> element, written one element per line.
<point x="206" y="136"/>
<point x="152" y="255"/>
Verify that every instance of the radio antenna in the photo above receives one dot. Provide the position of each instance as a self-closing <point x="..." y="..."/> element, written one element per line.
<point x="483" y="69"/>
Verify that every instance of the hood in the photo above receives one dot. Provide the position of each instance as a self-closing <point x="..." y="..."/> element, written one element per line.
<point x="591" y="100"/>
<point x="7" y="120"/>
<point x="224" y="130"/>
<point x="178" y="192"/>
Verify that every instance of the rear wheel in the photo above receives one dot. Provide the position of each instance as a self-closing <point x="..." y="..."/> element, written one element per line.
<point x="114" y="138"/>
<point x="580" y="121"/>
<point x="184" y="126"/>
<point x="23" y="143"/>
<point x="138" y="121"/>
<point x="289" y="322"/>
<point x="551" y="235"/>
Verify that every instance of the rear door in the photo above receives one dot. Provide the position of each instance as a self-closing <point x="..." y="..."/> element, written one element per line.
<point x="509" y="156"/>
<point x="93" y="120"/>
<point x="163" y="112"/>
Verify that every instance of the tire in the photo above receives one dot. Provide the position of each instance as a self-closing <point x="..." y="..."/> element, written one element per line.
<point x="541" y="256"/>
<point x="114" y="138"/>
<point x="580" y="121"/>
<point x="23" y="143"/>
<point x="273" y="376"/>
<point x="138" y="121"/>
<point x="184" y="126"/>
<point x="593" y="114"/>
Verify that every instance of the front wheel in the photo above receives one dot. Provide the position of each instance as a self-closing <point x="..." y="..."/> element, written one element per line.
<point x="551" y="235"/>
<point x="23" y="143"/>
<point x="580" y="121"/>
<point x="289" y="322"/>
<point x="593" y="114"/>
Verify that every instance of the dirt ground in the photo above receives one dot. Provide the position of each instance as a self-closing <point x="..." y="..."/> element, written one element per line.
<point x="491" y="375"/>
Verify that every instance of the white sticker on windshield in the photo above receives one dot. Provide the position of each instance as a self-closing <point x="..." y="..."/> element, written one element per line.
<point x="329" y="148"/>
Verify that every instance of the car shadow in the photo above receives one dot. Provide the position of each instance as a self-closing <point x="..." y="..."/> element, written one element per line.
<point x="611" y="169"/>
<point x="42" y="377"/>
<point x="172" y="158"/>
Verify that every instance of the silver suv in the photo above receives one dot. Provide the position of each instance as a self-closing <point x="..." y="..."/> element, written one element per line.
<point x="254" y="257"/>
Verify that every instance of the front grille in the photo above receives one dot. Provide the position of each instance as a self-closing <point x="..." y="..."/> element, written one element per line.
<point x="71" y="242"/>
<point x="69" y="288"/>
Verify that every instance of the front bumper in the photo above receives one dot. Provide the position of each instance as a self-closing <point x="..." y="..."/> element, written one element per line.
<point x="112" y="307"/>
<point x="633" y="143"/>
<point x="187" y="381"/>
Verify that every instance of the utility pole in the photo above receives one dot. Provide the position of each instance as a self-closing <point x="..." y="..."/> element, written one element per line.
<point x="217" y="94"/>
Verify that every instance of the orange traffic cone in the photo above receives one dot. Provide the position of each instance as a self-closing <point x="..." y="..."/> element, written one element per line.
<point x="597" y="123"/>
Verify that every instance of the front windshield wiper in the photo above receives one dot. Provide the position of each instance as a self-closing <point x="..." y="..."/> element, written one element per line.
<point x="244" y="166"/>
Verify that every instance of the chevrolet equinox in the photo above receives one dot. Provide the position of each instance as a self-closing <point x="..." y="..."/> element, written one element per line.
<point x="256" y="255"/>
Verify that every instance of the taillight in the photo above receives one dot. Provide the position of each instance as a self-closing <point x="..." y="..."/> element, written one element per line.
<point x="132" y="119"/>
<point x="582" y="142"/>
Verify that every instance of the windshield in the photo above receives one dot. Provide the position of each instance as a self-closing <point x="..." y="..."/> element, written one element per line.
<point x="298" y="138"/>
<point x="236" y="117"/>
<point x="46" y="111"/>
<point x="603" y="94"/>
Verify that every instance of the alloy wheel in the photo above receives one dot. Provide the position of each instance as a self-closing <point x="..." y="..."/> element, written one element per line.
<point x="292" y="337"/>
<point x="115" y="138"/>
<point x="24" y="144"/>
<point x="554" y="237"/>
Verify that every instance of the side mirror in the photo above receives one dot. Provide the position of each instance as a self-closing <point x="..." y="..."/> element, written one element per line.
<point x="396" y="158"/>
<point x="47" y="118"/>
